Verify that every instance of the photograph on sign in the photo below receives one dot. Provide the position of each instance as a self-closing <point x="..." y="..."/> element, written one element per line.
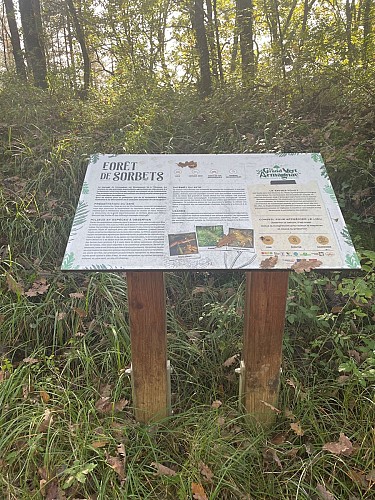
<point x="253" y="211"/>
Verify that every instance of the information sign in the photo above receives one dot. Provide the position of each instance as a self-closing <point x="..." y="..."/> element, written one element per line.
<point x="165" y="212"/>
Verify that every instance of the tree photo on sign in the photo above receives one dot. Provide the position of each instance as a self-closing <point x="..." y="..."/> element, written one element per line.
<point x="209" y="334"/>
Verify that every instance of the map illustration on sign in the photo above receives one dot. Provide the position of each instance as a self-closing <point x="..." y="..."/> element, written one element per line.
<point x="253" y="211"/>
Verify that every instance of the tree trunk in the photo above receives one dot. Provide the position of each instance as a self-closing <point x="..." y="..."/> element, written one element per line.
<point x="82" y="42"/>
<point x="15" y="40"/>
<point x="245" y="28"/>
<point x="31" y="25"/>
<point x="205" y="83"/>
<point x="366" y="32"/>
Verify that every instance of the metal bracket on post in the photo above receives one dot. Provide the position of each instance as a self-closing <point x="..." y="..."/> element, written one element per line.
<point x="241" y="386"/>
<point x="129" y="372"/>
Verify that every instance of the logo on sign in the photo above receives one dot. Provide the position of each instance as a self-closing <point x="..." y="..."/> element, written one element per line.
<point x="278" y="172"/>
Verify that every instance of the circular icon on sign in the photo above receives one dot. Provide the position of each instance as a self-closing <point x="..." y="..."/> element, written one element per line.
<point x="267" y="240"/>
<point x="322" y="240"/>
<point x="294" y="240"/>
<point x="232" y="171"/>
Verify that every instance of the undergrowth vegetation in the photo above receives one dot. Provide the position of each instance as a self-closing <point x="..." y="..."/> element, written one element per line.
<point x="66" y="422"/>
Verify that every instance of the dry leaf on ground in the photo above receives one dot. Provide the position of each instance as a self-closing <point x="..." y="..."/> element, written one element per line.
<point x="163" y="470"/>
<point x="13" y="286"/>
<point x="46" y="422"/>
<point x="198" y="492"/>
<point x="304" y="265"/>
<point x="76" y="295"/>
<point x="206" y="471"/>
<point x="216" y="404"/>
<point x="342" y="447"/>
<point x="269" y="263"/>
<point x="359" y="478"/>
<point x="39" y="287"/>
<point x="99" y="444"/>
<point x="231" y="361"/>
<point x="296" y="427"/>
<point x="30" y="361"/>
<point x="118" y="465"/>
<point x="44" y="396"/>
<point x="270" y="455"/>
<point x="323" y="493"/>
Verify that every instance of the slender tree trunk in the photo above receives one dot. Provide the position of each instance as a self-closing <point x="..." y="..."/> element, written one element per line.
<point x="31" y="25"/>
<point x="349" y="18"/>
<point x="211" y="39"/>
<point x="218" y="48"/>
<point x="199" y="27"/>
<point x="245" y="25"/>
<point x="82" y="42"/>
<point x="15" y="40"/>
<point x="366" y="32"/>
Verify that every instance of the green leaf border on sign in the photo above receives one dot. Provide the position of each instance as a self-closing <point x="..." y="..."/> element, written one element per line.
<point x="352" y="261"/>
<point x="68" y="261"/>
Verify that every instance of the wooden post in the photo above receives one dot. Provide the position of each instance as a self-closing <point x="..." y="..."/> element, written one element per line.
<point x="265" y="303"/>
<point x="147" y="314"/>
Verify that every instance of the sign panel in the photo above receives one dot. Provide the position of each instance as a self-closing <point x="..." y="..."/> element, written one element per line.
<point x="163" y="212"/>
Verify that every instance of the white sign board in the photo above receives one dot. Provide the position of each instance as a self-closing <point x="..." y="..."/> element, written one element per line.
<point x="253" y="211"/>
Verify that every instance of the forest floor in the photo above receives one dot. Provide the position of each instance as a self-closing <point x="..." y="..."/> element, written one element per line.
<point x="66" y="421"/>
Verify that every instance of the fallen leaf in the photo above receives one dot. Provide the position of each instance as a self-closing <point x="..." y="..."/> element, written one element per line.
<point x="342" y="379"/>
<point x="198" y="491"/>
<point x="39" y="287"/>
<point x="270" y="455"/>
<point x="271" y="407"/>
<point x="76" y="295"/>
<point x="231" y="361"/>
<point x="199" y="289"/>
<point x="120" y="405"/>
<point x="206" y="472"/>
<point x="289" y="415"/>
<point x="269" y="263"/>
<point x="13" y="286"/>
<point x="61" y="316"/>
<point x="118" y="465"/>
<point x="42" y="487"/>
<point x="355" y="355"/>
<point x="99" y="444"/>
<point x="323" y="493"/>
<point x="278" y="439"/>
<point x="342" y="447"/>
<point x="104" y="405"/>
<point x="305" y="265"/>
<point x="46" y="422"/>
<point x="163" y="470"/>
<point x="3" y="375"/>
<point x="359" y="478"/>
<point x="291" y="382"/>
<point x="216" y="404"/>
<point x="296" y="427"/>
<point x="53" y="492"/>
<point x="44" y="396"/>
<point x="81" y="313"/>
<point x="30" y="361"/>
<point x="371" y="476"/>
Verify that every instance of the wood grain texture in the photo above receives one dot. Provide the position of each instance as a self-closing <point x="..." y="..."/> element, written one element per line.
<point x="147" y="314"/>
<point x="265" y="303"/>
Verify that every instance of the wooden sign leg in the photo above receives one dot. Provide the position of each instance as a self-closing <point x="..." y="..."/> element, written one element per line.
<point x="265" y="303"/>
<point x="147" y="314"/>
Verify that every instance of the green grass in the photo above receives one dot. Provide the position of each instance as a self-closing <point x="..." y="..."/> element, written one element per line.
<point x="62" y="350"/>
